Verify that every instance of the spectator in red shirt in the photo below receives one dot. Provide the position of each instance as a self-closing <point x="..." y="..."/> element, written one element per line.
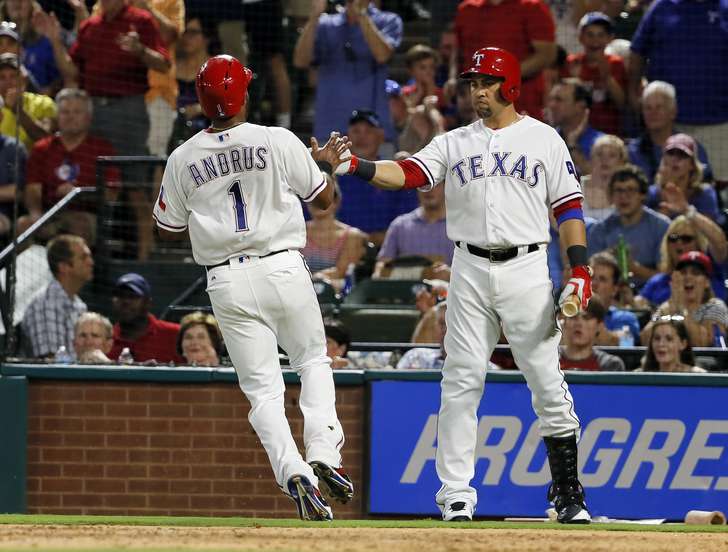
<point x="110" y="59"/>
<point x="605" y="74"/>
<point x="580" y="333"/>
<point x="65" y="160"/>
<point x="147" y="338"/>
<point x="524" y="27"/>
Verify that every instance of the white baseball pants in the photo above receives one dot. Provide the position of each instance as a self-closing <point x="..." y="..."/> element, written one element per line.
<point x="482" y="296"/>
<point x="260" y="303"/>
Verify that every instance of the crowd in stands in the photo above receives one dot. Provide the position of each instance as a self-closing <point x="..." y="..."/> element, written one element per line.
<point x="637" y="89"/>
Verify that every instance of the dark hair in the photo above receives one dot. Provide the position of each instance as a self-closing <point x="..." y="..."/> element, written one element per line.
<point x="418" y="52"/>
<point x="649" y="362"/>
<point x="209" y="31"/>
<point x="337" y="331"/>
<point x="606" y="259"/>
<point x="60" y="250"/>
<point x="596" y="307"/>
<point x="582" y="93"/>
<point x="208" y="321"/>
<point x="629" y="172"/>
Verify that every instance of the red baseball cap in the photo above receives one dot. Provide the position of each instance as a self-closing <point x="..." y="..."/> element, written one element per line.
<point x="683" y="143"/>
<point x="695" y="258"/>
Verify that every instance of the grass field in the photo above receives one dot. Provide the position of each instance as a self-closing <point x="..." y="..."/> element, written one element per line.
<point x="54" y="533"/>
<point x="162" y="521"/>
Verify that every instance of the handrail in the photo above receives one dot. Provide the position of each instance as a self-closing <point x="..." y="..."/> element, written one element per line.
<point x="65" y="200"/>
<point x="112" y="159"/>
<point x="175" y="303"/>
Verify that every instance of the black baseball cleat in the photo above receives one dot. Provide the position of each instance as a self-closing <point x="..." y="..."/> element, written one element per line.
<point x="457" y="511"/>
<point x="334" y="482"/>
<point x="569" y="504"/>
<point x="309" y="502"/>
<point x="565" y="491"/>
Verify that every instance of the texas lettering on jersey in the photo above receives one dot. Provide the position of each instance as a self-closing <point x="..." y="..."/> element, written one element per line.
<point x="500" y="183"/>
<point x="471" y="168"/>
<point x="233" y="160"/>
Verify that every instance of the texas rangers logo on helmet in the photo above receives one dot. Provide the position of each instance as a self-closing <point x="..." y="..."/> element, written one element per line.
<point x="477" y="56"/>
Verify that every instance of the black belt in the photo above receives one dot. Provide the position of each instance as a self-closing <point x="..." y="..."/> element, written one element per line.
<point x="210" y="267"/>
<point x="495" y="255"/>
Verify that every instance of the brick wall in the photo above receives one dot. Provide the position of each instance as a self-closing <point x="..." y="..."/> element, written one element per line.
<point x="164" y="449"/>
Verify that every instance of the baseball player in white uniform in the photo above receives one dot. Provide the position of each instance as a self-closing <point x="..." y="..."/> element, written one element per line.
<point x="235" y="188"/>
<point x="501" y="174"/>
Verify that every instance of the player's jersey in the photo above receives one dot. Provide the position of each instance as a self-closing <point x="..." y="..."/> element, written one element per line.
<point x="500" y="184"/>
<point x="238" y="192"/>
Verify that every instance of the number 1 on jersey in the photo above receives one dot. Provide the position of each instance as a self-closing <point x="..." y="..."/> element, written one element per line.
<point x="239" y="206"/>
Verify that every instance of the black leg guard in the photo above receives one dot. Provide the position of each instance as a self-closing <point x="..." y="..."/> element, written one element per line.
<point x="565" y="491"/>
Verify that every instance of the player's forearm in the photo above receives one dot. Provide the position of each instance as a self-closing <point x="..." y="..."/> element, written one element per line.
<point x="388" y="175"/>
<point x="572" y="232"/>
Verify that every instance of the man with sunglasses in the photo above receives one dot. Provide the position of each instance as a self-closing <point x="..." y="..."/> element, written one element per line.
<point x="641" y="227"/>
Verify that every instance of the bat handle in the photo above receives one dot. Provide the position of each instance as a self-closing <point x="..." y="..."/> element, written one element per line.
<point x="571" y="306"/>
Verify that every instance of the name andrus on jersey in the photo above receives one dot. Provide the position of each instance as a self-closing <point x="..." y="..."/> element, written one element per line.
<point x="233" y="160"/>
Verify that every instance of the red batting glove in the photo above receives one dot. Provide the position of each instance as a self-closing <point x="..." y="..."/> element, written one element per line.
<point x="579" y="284"/>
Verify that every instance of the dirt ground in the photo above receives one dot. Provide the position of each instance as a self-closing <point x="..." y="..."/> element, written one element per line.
<point x="103" y="537"/>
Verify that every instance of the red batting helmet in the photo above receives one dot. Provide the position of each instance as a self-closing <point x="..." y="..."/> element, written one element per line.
<point x="222" y="83"/>
<point x="497" y="62"/>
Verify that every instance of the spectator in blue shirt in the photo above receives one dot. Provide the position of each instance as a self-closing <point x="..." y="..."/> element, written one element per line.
<point x="568" y="111"/>
<point x="350" y="50"/>
<point x="685" y="42"/>
<point x="420" y="232"/>
<point x="366" y="207"/>
<point x="36" y="52"/>
<point x="606" y="283"/>
<point x="641" y="227"/>
<point x="679" y="186"/>
<point x="659" y="109"/>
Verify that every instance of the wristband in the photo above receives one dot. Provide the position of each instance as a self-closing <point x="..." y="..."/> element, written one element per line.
<point x="362" y="168"/>
<point x="577" y="255"/>
<point x="325" y="166"/>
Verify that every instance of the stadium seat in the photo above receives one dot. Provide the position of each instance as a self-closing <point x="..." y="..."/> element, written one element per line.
<point x="384" y="292"/>
<point x="379" y="324"/>
<point x="327" y="297"/>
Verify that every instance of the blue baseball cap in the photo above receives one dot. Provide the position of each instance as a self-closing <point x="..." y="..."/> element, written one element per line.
<point x="136" y="283"/>
<point x="597" y="18"/>
<point x="366" y="115"/>
<point x="392" y="88"/>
